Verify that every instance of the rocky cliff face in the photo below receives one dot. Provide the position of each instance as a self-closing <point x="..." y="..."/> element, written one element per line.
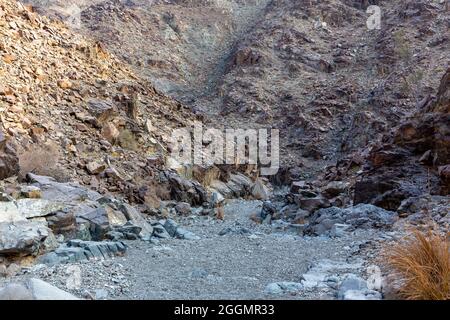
<point x="310" y="68"/>
<point x="73" y="110"/>
<point x="407" y="169"/>
<point x="413" y="160"/>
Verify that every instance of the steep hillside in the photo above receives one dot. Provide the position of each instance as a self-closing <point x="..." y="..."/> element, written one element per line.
<point x="408" y="168"/>
<point x="313" y="69"/>
<point x="74" y="110"/>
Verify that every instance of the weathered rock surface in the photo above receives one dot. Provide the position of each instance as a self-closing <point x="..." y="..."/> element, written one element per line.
<point x="22" y="237"/>
<point x="360" y="216"/>
<point x="34" y="289"/>
<point x="286" y="287"/>
<point x="355" y="288"/>
<point x="78" y="250"/>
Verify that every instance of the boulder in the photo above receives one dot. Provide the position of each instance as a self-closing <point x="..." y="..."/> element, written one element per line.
<point x="334" y="188"/>
<point x="296" y="186"/>
<point x="239" y="184"/>
<point x="355" y="288"/>
<point x="182" y="189"/>
<point x="171" y="227"/>
<point x="42" y="290"/>
<point x="260" y="191"/>
<point x="15" y="291"/>
<point x="183" y="208"/>
<point x="9" y="212"/>
<point x="311" y="204"/>
<point x="95" y="167"/>
<point x="175" y="231"/>
<point x="79" y="250"/>
<point x="361" y="216"/>
<point x="99" y="222"/>
<point x="221" y="188"/>
<point x="22" y="237"/>
<point x="32" y="208"/>
<point x="137" y="219"/>
<point x="103" y="111"/>
<point x="283" y="287"/>
<point x="61" y="192"/>
<point x="160" y="232"/>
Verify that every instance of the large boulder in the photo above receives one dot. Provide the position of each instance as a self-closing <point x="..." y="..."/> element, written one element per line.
<point x="360" y="216"/>
<point x="22" y="237"/>
<point x="185" y="190"/>
<point x="34" y="289"/>
<point x="63" y="192"/>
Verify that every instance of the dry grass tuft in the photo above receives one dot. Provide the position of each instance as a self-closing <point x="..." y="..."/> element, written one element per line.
<point x="420" y="264"/>
<point x="128" y="140"/>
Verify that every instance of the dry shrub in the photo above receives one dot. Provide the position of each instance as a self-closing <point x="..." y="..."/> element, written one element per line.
<point x="41" y="160"/>
<point x="420" y="266"/>
<point x="128" y="140"/>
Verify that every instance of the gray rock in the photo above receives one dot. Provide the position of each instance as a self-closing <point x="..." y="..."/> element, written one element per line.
<point x="10" y="212"/>
<point x="311" y="204"/>
<point x="362" y="295"/>
<point x="42" y="290"/>
<point x="338" y="229"/>
<point x="171" y="227"/>
<point x="129" y="231"/>
<point x="221" y="189"/>
<point x="185" y="190"/>
<point x="61" y="192"/>
<point x="160" y="232"/>
<point x="273" y="289"/>
<point x="34" y="289"/>
<point x="99" y="223"/>
<point x="137" y="219"/>
<point x="353" y="283"/>
<point x="234" y="230"/>
<point x="260" y="191"/>
<point x="22" y="237"/>
<point x="334" y="188"/>
<point x="115" y="235"/>
<point x="15" y="291"/>
<point x="101" y="294"/>
<point x="284" y="287"/>
<point x="78" y="250"/>
<point x="186" y="235"/>
<point x="31" y="208"/>
<point x="9" y="160"/>
<point x="183" y="208"/>
<point x="361" y="216"/>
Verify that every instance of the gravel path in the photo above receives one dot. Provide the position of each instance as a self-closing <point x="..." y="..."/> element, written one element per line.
<point x="237" y="265"/>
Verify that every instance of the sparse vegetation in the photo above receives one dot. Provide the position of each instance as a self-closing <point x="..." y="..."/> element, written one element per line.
<point x="402" y="47"/>
<point x="128" y="140"/>
<point x="420" y="266"/>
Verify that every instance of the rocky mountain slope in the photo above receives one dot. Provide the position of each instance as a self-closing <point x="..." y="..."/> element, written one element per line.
<point x="310" y="68"/>
<point x="74" y="110"/>
<point x="407" y="169"/>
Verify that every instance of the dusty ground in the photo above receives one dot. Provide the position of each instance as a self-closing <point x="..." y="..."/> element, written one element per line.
<point x="237" y="265"/>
